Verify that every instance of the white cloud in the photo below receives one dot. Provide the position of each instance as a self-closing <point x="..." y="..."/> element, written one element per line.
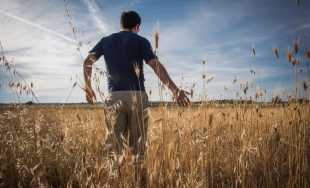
<point x="43" y="52"/>
<point x="36" y="26"/>
<point x="41" y="42"/>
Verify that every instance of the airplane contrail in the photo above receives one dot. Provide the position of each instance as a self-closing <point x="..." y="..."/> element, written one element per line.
<point x="37" y="26"/>
<point x="94" y="11"/>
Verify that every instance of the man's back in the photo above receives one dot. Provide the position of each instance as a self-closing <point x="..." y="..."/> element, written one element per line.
<point x="123" y="51"/>
<point x="126" y="116"/>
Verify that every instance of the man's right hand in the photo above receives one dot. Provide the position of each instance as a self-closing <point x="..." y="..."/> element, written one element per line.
<point x="90" y="96"/>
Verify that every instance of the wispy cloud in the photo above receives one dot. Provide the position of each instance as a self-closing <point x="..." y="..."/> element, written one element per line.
<point x="223" y="33"/>
<point x="95" y="14"/>
<point x="42" y="51"/>
<point x="304" y="26"/>
<point x="37" y="26"/>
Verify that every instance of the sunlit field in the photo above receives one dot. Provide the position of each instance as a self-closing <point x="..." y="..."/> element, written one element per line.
<point x="243" y="137"/>
<point x="218" y="145"/>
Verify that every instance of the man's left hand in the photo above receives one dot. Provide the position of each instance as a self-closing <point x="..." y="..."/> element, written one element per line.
<point x="182" y="98"/>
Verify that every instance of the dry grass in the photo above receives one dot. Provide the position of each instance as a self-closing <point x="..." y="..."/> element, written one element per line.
<point x="214" y="146"/>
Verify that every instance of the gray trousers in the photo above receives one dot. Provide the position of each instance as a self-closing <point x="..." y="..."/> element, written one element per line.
<point x="127" y="121"/>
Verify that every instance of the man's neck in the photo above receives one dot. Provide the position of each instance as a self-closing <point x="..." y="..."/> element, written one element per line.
<point x="130" y="30"/>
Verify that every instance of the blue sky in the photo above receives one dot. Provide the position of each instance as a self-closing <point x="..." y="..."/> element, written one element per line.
<point x="37" y="35"/>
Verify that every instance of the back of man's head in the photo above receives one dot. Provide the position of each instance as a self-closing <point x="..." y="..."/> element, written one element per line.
<point x="130" y="19"/>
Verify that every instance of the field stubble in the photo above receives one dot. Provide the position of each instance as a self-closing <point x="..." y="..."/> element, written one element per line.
<point x="226" y="146"/>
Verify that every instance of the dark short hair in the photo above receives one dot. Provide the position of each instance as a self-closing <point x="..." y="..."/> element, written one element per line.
<point x="130" y="19"/>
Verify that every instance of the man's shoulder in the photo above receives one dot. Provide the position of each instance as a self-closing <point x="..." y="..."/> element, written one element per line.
<point x="110" y="36"/>
<point x="120" y="35"/>
<point x="142" y="39"/>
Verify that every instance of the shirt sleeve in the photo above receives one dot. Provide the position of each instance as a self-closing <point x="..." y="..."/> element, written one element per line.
<point x="147" y="51"/>
<point x="98" y="49"/>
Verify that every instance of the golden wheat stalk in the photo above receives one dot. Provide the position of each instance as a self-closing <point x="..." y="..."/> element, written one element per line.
<point x="276" y="52"/>
<point x="288" y="56"/>
<point x="253" y="50"/>
<point x="156" y="35"/>
<point x="308" y="53"/>
<point x="295" y="47"/>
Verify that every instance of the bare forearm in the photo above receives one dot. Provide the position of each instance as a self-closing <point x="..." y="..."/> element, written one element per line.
<point x="87" y="69"/>
<point x="163" y="75"/>
<point x="180" y="95"/>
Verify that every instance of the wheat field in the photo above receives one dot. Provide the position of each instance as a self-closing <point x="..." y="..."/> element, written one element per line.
<point x="211" y="145"/>
<point x="243" y="143"/>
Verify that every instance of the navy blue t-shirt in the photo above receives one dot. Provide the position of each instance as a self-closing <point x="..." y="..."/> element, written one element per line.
<point x="123" y="51"/>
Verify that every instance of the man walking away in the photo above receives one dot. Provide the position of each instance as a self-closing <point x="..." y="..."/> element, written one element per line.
<point x="124" y="53"/>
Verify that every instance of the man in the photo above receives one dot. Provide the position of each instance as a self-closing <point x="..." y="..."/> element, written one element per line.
<point x="124" y="53"/>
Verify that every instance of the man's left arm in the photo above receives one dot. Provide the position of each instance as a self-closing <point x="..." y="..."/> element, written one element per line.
<point x="161" y="72"/>
<point x="87" y="70"/>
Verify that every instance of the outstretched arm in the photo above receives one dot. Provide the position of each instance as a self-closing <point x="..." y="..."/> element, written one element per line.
<point x="87" y="69"/>
<point x="162" y="74"/>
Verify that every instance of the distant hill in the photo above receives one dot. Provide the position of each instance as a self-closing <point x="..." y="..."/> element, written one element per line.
<point x="170" y="103"/>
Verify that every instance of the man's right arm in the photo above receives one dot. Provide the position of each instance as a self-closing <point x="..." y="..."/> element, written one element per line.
<point x="87" y="70"/>
<point x="163" y="75"/>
